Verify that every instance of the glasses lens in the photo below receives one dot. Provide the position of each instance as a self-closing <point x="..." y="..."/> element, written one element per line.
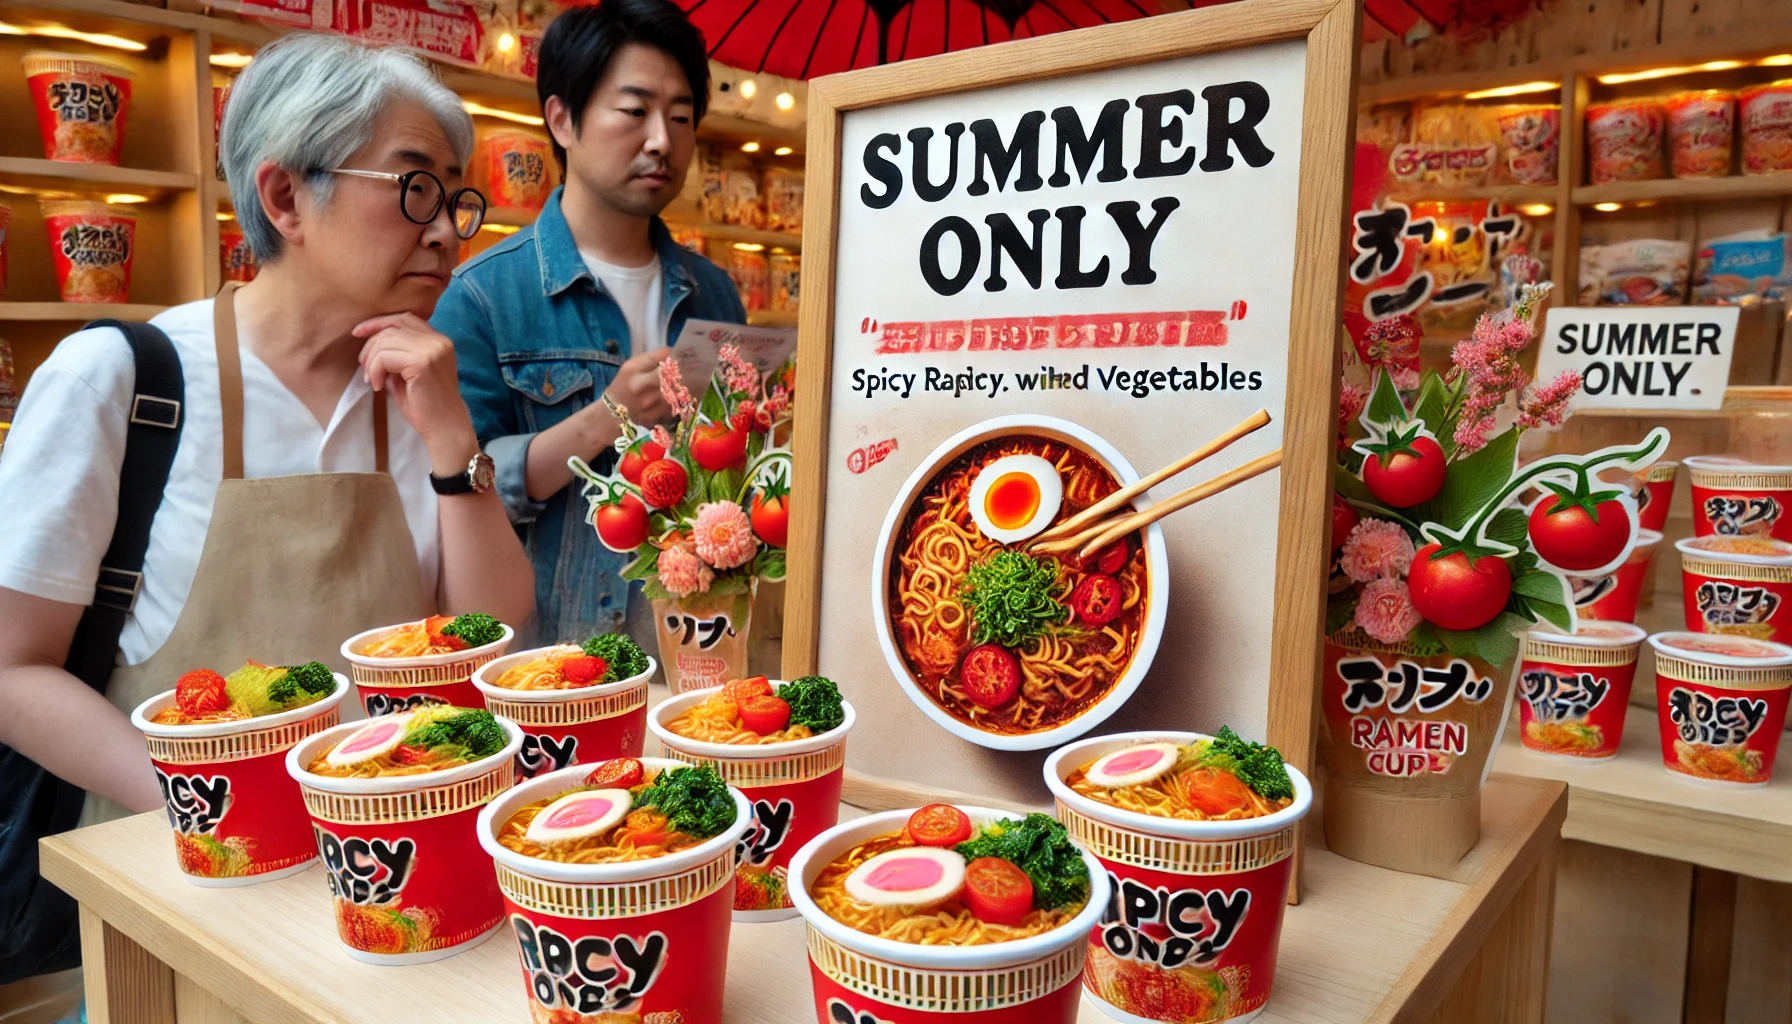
<point x="422" y="197"/>
<point x="469" y="212"/>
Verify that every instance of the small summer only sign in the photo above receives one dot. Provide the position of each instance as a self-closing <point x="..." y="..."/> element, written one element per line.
<point x="1646" y="357"/>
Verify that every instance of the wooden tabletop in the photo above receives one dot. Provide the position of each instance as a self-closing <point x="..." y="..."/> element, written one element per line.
<point x="269" y="952"/>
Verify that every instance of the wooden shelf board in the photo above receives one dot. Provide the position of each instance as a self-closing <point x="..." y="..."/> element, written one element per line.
<point x="1450" y="86"/>
<point x="78" y="312"/>
<point x="771" y="318"/>
<point x="67" y="175"/>
<point x="682" y="211"/>
<point x="1670" y="190"/>
<point x="1511" y="195"/>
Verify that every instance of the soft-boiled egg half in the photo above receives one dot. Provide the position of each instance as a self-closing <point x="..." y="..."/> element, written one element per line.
<point x="588" y="812"/>
<point x="914" y="876"/>
<point x="370" y="741"/>
<point x="1015" y="497"/>
<point x="1133" y="766"/>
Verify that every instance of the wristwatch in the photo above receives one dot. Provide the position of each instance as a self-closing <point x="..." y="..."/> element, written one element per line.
<point x="476" y="480"/>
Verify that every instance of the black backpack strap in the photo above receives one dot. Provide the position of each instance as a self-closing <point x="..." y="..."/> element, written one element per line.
<point x="150" y="441"/>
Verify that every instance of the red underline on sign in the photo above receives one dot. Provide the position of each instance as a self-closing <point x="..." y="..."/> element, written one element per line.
<point x="1195" y="328"/>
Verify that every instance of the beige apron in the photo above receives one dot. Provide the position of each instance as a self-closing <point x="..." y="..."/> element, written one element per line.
<point x="292" y="565"/>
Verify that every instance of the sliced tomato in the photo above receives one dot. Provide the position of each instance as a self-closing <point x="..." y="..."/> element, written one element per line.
<point x="1214" y="792"/>
<point x="617" y="773"/>
<point x="402" y="754"/>
<point x="990" y="675"/>
<point x="997" y="891"/>
<point x="1097" y="600"/>
<point x="1109" y="560"/>
<point x="764" y="714"/>
<point x="740" y="689"/>
<point x="939" y="825"/>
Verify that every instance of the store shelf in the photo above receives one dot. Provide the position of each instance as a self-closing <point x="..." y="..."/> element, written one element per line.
<point x="64" y="175"/>
<point x="1664" y="190"/>
<point x="1449" y="86"/>
<point x="771" y="318"/>
<point x="77" y="312"/>
<point x="727" y="128"/>
<point x="1509" y="195"/>
<point x="682" y="211"/>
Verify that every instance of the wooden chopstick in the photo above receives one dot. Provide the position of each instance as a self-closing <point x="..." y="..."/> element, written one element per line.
<point x="1075" y="524"/>
<point x="1107" y="533"/>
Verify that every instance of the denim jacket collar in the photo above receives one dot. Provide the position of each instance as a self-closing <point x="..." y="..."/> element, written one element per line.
<point x="562" y="266"/>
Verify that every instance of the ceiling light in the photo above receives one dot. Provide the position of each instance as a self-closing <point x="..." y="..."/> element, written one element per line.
<point x="783" y="151"/>
<point x="747" y="88"/>
<point x="1536" y="209"/>
<point x="749" y="247"/>
<point x="1512" y="90"/>
<point x="230" y="60"/>
<point x="59" y="32"/>
<point x="1643" y="76"/>
<point x="786" y="101"/>
<point x="506" y="43"/>
<point x="749" y="147"/>
<point x="500" y="229"/>
<point x="222" y="216"/>
<point x="1777" y="61"/>
<point x="1608" y="207"/>
<point x="126" y="198"/>
<point x="480" y="110"/>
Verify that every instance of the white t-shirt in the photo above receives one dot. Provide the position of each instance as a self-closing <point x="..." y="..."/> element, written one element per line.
<point x="638" y="291"/>
<point x="59" y="473"/>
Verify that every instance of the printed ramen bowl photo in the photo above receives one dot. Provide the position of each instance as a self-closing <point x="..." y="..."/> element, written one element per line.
<point x="401" y="667"/>
<point x="1002" y="647"/>
<point x="570" y="714"/>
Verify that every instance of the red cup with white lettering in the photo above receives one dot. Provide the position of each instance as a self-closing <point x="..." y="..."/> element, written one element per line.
<point x="1573" y="689"/>
<point x="1737" y="585"/>
<point x="408" y="881"/>
<point x="389" y="683"/>
<point x="1722" y="705"/>
<point x="859" y="977"/>
<point x="1193" y="931"/>
<point x="639" y="939"/>
<point x="1655" y="495"/>
<point x="793" y="785"/>
<point x="1614" y="596"/>
<point x="237" y="815"/>
<point x="564" y="727"/>
<point x="1732" y="497"/>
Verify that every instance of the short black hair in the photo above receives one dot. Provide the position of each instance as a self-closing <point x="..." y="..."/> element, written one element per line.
<point x="581" y="42"/>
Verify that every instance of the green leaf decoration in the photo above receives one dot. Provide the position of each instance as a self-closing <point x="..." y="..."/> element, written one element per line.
<point x="769" y="563"/>
<point x="1459" y="642"/>
<point x="714" y="407"/>
<point x="1522" y="563"/>
<point x="1472" y="482"/>
<point x="1555" y="614"/>
<point x="1349" y="485"/>
<point x="1429" y="409"/>
<point x="1340" y="611"/>
<point x="1496" y="642"/>
<point x="1539" y="586"/>
<point x="1508" y="526"/>
<point x="1425" y="641"/>
<point x="1385" y="408"/>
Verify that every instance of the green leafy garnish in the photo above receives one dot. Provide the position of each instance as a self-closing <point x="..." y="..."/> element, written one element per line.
<point x="477" y="629"/>
<point x="302" y="684"/>
<point x="1010" y="598"/>
<point x="1040" y="846"/>
<point x="475" y="732"/>
<point x="1256" y="765"/>
<point x="250" y="687"/>
<point x="695" y="800"/>
<point x="623" y="658"/>
<point x="815" y="702"/>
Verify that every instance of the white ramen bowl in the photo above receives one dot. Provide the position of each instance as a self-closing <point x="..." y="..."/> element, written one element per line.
<point x="1157" y="583"/>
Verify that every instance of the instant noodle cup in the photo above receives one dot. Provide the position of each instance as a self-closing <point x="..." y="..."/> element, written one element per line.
<point x="1655" y="495"/>
<point x="81" y="105"/>
<point x="1701" y="133"/>
<point x="1572" y="689"/>
<point x="1766" y="115"/>
<point x="794" y="789"/>
<point x="858" y="977"/>
<point x="1166" y="949"/>
<point x="408" y="881"/>
<point x="91" y="245"/>
<point x="633" y="940"/>
<point x="1732" y="497"/>
<point x="517" y="168"/>
<point x="1624" y="140"/>
<point x="1530" y="142"/>
<point x="581" y="725"/>
<point x="401" y="684"/>
<point x="237" y="814"/>
<point x="236" y="261"/>
<point x="1737" y="585"/>
<point x="1614" y="596"/>
<point x="1722" y="705"/>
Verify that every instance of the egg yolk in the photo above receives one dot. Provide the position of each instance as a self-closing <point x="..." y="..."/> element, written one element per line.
<point x="1012" y="500"/>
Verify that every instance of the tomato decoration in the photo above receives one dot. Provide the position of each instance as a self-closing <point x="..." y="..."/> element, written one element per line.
<point x="1097" y="600"/>
<point x="739" y="690"/>
<point x="1343" y="521"/>
<point x="617" y="773"/>
<point x="939" y="825"/>
<point x="718" y="446"/>
<point x="201" y="692"/>
<point x="1109" y="560"/>
<point x="622" y="525"/>
<point x="1214" y="792"/>
<point x="990" y="675"/>
<point x="764" y="714"/>
<point x="771" y="518"/>
<point x="636" y="459"/>
<point x="663" y="482"/>
<point x="1453" y="593"/>
<point x="997" y="891"/>
<point x="1580" y="531"/>
<point x="1409" y="472"/>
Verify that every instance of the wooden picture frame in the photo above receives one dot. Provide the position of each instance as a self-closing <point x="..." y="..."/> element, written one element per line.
<point x="1329" y="29"/>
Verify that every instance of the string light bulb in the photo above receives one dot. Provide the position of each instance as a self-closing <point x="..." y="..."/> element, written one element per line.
<point x="786" y="101"/>
<point x="1608" y="207"/>
<point x="747" y="88"/>
<point x="749" y="147"/>
<point x="749" y="246"/>
<point x="506" y="43"/>
<point x="1536" y="209"/>
<point x="783" y="151"/>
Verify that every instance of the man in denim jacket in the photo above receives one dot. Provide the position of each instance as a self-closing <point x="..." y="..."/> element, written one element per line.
<point x="586" y="301"/>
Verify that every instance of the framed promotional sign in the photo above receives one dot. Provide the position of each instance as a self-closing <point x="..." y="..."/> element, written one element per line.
<point x="1037" y="273"/>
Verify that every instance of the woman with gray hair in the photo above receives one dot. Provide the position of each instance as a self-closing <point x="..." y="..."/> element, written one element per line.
<point x="297" y="509"/>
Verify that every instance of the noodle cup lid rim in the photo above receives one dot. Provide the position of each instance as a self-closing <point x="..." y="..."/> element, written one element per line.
<point x="301" y="753"/>
<point x="989" y="956"/>
<point x="1060" y="764"/>
<point x="1647" y="538"/>
<point x="1690" y="546"/>
<point x="739" y="751"/>
<point x="116" y="69"/>
<point x="1779" y="656"/>
<point x="422" y="660"/>
<point x="530" y="790"/>
<point x="140" y="716"/>
<point x="1731" y="464"/>
<point x="1633" y="636"/>
<point x="503" y="663"/>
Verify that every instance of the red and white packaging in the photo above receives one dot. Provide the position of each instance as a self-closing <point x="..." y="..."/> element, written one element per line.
<point x="1737" y="585"/>
<point x="516" y="171"/>
<point x="1722" y="705"/>
<point x="1765" y="114"/>
<point x="81" y="104"/>
<point x="561" y="728"/>
<point x="237" y="815"/>
<point x="1194" y="929"/>
<point x="1614" y="596"/>
<point x="1732" y="497"/>
<point x="445" y="30"/>
<point x="1655" y="495"/>
<point x="645" y="939"/>
<point x="408" y="882"/>
<point x="1572" y="689"/>
<point x="401" y="684"/>
<point x="858" y="977"/>
<point x="91" y="246"/>
<point x="794" y="788"/>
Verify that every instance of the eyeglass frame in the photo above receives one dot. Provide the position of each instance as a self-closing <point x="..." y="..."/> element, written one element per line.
<point x="443" y="198"/>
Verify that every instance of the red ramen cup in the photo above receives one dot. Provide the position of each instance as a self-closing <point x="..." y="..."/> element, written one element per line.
<point x="1655" y="495"/>
<point x="91" y="245"/>
<point x="1614" y="596"/>
<point x="81" y="105"/>
<point x="1572" y="689"/>
<point x="794" y="787"/>
<point x="582" y="725"/>
<point x="859" y="977"/>
<point x="1156" y="954"/>
<point x="401" y="684"/>
<point x="1737" y="585"/>
<point x="408" y="883"/>
<point x="645" y="939"/>
<point x="518" y="170"/>
<point x="1722" y="705"/>
<point x="1736" y="498"/>
<point x="237" y="815"/>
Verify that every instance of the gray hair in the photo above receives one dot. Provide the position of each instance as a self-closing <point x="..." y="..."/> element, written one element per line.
<point x="308" y="102"/>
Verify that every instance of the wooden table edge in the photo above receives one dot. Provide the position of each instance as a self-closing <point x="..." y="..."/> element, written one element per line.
<point x="1698" y="842"/>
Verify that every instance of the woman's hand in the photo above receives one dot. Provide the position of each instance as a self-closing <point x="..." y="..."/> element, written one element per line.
<point x="417" y="362"/>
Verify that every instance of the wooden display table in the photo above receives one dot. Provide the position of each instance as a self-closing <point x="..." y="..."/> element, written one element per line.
<point x="1365" y="944"/>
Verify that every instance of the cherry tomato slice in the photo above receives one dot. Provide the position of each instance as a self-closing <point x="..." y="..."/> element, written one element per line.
<point x="1109" y="560"/>
<point x="1097" y="600"/>
<point x="939" y="825"/>
<point x="617" y="773"/>
<point x="1215" y="792"/>
<point x="765" y="714"/>
<point x="402" y="754"/>
<point x="997" y="891"/>
<point x="740" y="689"/>
<point x="990" y="675"/>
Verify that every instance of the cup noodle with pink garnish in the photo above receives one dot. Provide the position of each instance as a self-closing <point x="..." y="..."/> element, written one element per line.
<point x="1722" y="705"/>
<point x="573" y="707"/>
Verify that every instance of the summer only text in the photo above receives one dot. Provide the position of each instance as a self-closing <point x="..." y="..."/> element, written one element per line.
<point x="972" y="381"/>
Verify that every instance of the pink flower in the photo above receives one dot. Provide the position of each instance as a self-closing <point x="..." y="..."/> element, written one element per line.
<point x="681" y="572"/>
<point x="723" y="535"/>
<point x="1385" y="612"/>
<point x="740" y="376"/>
<point x="1376" y="549"/>
<point x="1545" y="405"/>
<point x="1405" y="378"/>
<point x="1350" y="405"/>
<point x="673" y="390"/>
<point x="661" y="437"/>
<point x="777" y="401"/>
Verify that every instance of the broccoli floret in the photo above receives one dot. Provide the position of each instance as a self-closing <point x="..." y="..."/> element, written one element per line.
<point x="815" y="702"/>
<point x="1256" y="765"/>
<point x="623" y="658"/>
<point x="477" y="731"/>
<point x="695" y="800"/>
<point x="302" y="684"/>
<point x="477" y="629"/>
<point x="1040" y="846"/>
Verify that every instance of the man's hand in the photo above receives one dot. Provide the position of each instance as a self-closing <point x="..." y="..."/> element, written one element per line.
<point x="637" y="389"/>
<point x="416" y="362"/>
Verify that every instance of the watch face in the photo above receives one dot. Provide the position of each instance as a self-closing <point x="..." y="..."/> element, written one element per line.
<point x="481" y="472"/>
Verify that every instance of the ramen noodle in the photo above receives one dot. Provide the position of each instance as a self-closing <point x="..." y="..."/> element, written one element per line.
<point x="91" y="245"/>
<point x="604" y="659"/>
<point x="1701" y="133"/>
<point x="81" y="105"/>
<point x="203" y="697"/>
<point x="742" y="713"/>
<point x="433" y="738"/>
<point x="438" y="634"/>
<point x="1766" y="115"/>
<point x="646" y="831"/>
<point x="1624" y="140"/>
<point x="1201" y="785"/>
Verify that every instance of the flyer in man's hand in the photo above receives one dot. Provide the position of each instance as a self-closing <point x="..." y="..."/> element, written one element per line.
<point x="765" y="347"/>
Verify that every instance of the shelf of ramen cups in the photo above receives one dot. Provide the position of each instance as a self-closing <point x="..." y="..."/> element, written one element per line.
<point x="58" y="175"/>
<point x="683" y="211"/>
<point x="269" y="952"/>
